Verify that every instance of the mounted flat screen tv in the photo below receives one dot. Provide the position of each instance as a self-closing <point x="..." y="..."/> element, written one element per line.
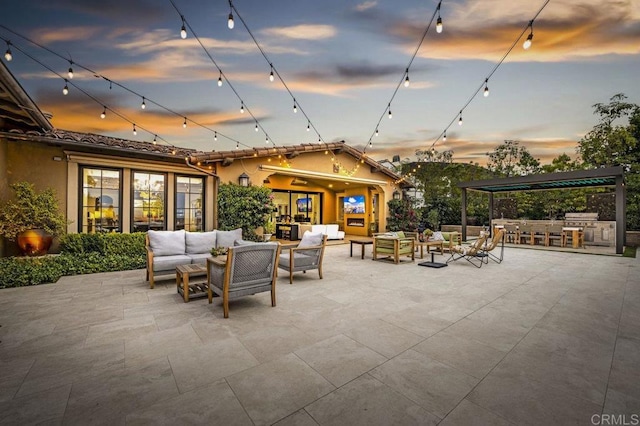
<point x="354" y="204"/>
<point x="304" y="205"/>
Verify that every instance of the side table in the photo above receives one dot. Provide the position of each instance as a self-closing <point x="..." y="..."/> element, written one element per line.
<point x="188" y="291"/>
<point x="362" y="244"/>
<point x="430" y="244"/>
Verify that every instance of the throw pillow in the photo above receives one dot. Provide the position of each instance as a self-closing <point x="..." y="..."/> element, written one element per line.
<point x="167" y="243"/>
<point x="400" y="234"/>
<point x="200" y="242"/>
<point x="310" y="239"/>
<point x="437" y="236"/>
<point x="227" y="238"/>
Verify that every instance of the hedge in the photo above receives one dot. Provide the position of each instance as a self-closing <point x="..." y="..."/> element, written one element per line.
<point x="80" y="254"/>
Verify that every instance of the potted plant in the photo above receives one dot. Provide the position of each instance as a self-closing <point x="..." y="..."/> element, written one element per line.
<point x="32" y="219"/>
<point x="269" y="229"/>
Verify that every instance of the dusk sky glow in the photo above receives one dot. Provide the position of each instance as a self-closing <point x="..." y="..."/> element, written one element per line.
<point x="342" y="61"/>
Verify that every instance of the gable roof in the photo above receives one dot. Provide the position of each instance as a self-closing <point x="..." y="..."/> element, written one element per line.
<point x="17" y="109"/>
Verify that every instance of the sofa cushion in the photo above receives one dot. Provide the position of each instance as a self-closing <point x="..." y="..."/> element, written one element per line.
<point x="310" y="239"/>
<point x="199" y="258"/>
<point x="319" y="228"/>
<point x="167" y="243"/>
<point x="439" y="236"/>
<point x="200" y="242"/>
<point x="169" y="263"/>
<point x="227" y="238"/>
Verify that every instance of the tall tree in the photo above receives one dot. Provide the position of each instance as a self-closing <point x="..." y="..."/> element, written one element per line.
<point x="511" y="159"/>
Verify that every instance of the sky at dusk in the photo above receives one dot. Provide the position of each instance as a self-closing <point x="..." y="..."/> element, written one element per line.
<point x="342" y="61"/>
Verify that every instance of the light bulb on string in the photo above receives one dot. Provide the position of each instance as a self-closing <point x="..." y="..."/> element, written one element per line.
<point x="184" y="123"/>
<point x="460" y="119"/>
<point x="70" y="72"/>
<point x="486" y="88"/>
<point x="135" y="131"/>
<point x="320" y="141"/>
<point x="390" y="115"/>
<point x="444" y="138"/>
<point x="230" y="22"/>
<point x="183" y="30"/>
<point x="241" y="107"/>
<point x="237" y="145"/>
<point x="377" y="131"/>
<point x="406" y="80"/>
<point x="143" y="105"/>
<point x="155" y="139"/>
<point x="103" y="114"/>
<point x="8" y="55"/>
<point x="527" y="43"/>
<point x="266" y="140"/>
<point x="370" y="144"/>
<point x="256" y="127"/>
<point x="308" y="126"/>
<point x="271" y="77"/>
<point x="220" y="80"/>
<point x="215" y="136"/>
<point x="65" y="89"/>
<point x="295" y="106"/>
<point x="439" y="25"/>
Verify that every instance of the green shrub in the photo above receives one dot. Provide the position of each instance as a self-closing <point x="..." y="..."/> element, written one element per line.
<point x="80" y="254"/>
<point x="246" y="207"/>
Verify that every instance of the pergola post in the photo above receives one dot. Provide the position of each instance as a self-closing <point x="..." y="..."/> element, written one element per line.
<point x="464" y="214"/>
<point x="621" y="214"/>
<point x="490" y="213"/>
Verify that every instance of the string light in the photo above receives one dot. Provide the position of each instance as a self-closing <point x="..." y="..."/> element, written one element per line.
<point x="103" y="114"/>
<point x="295" y="106"/>
<point x="439" y="21"/>
<point x="70" y="72"/>
<point x="7" y="55"/>
<point x="460" y="119"/>
<point x="390" y="115"/>
<point x="271" y="77"/>
<point x="370" y="144"/>
<point x="135" y="131"/>
<point x="220" y="80"/>
<point x="406" y="80"/>
<point x="215" y="136"/>
<point x="444" y="138"/>
<point x="308" y="125"/>
<point x="241" y="107"/>
<point x="155" y="139"/>
<point x="320" y="141"/>
<point x="527" y="43"/>
<point x="256" y="126"/>
<point x="184" y="123"/>
<point x="486" y="88"/>
<point x="266" y="140"/>
<point x="237" y="145"/>
<point x="230" y="22"/>
<point x="143" y="105"/>
<point x="65" y="89"/>
<point x="377" y="131"/>
<point x="183" y="30"/>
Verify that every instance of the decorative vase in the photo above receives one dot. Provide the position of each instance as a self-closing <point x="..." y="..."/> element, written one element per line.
<point x="34" y="242"/>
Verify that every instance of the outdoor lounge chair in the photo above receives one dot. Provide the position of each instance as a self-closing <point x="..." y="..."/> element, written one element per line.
<point x="471" y="253"/>
<point x="307" y="255"/>
<point x="249" y="269"/>
<point x="498" y="238"/>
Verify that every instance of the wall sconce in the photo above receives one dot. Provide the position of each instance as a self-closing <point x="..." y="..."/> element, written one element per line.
<point x="243" y="179"/>
<point x="396" y="195"/>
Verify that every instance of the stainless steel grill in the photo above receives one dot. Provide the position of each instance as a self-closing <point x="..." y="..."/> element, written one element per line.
<point x="596" y="233"/>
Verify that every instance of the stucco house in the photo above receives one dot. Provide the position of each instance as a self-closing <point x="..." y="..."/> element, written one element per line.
<point x="107" y="184"/>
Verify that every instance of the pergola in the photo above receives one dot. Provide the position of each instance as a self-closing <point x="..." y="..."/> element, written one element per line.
<point x="610" y="176"/>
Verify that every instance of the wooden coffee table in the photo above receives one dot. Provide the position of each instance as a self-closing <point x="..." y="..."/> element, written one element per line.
<point x="430" y="244"/>
<point x="362" y="244"/>
<point x="189" y="291"/>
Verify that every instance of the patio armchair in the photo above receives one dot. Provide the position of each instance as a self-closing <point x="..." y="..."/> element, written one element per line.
<point x="471" y="253"/>
<point x="393" y="246"/>
<point x="498" y="239"/>
<point x="307" y="255"/>
<point x="249" y="269"/>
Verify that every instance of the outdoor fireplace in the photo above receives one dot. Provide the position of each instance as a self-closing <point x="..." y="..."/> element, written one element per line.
<point x="355" y="221"/>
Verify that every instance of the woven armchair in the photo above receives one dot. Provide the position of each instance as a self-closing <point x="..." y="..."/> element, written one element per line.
<point x="307" y="255"/>
<point x="249" y="269"/>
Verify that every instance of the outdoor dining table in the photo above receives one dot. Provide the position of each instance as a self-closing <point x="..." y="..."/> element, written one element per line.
<point x="575" y="234"/>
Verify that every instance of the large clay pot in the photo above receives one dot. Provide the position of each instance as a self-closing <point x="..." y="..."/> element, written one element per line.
<point x="34" y="242"/>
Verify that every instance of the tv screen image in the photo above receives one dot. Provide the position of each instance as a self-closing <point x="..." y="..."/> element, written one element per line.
<point x="304" y="205"/>
<point x="354" y="204"/>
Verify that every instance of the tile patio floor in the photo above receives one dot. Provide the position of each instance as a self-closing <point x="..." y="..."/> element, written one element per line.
<point x="544" y="338"/>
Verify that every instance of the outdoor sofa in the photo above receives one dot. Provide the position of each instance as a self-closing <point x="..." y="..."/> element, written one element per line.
<point x="168" y="249"/>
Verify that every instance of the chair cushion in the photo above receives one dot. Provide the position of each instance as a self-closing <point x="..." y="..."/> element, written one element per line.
<point x="400" y="234"/>
<point x="299" y="260"/>
<point x="168" y="263"/>
<point x="227" y="238"/>
<point x="438" y="236"/>
<point x="167" y="243"/>
<point x="200" y="242"/>
<point x="199" y="258"/>
<point x="310" y="239"/>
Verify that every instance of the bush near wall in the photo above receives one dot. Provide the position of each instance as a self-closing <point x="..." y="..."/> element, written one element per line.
<point x="80" y="254"/>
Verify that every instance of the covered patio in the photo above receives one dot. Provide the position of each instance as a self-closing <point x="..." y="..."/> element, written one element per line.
<point x="543" y="338"/>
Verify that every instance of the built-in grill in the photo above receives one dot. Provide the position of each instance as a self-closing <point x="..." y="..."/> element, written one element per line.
<point x="596" y="233"/>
